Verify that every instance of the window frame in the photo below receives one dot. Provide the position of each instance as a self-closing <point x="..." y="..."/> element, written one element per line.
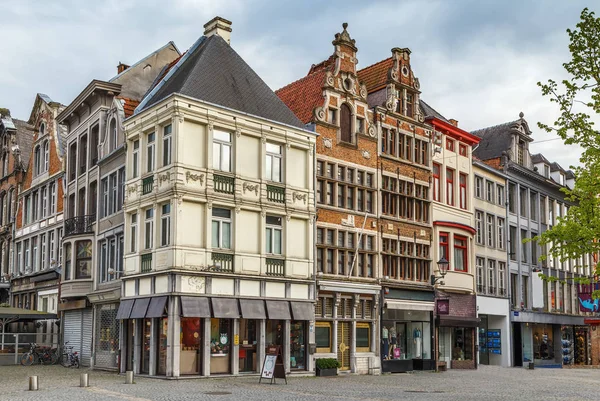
<point x="436" y="181"/>
<point x="221" y="221"/>
<point x="272" y="228"/>
<point x="450" y="186"/>
<point x="464" y="250"/>
<point x="450" y="144"/>
<point x="463" y="179"/>
<point x="165" y="224"/>
<point x="150" y="152"/>
<point x="272" y="158"/>
<point x="167" y="158"/>
<point x="223" y="146"/>
<point x="148" y="228"/>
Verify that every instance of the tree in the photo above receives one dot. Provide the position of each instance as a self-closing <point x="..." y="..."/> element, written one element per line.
<point x="577" y="234"/>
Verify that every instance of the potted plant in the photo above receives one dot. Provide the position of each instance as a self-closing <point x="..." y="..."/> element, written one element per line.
<point x="327" y="366"/>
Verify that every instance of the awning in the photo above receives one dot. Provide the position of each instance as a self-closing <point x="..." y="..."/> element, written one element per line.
<point x="225" y="308"/>
<point x="410" y="305"/>
<point x="195" y="307"/>
<point x="253" y="309"/>
<point x="15" y="314"/>
<point x="53" y="275"/>
<point x="157" y="307"/>
<point x="125" y="308"/>
<point x="139" y="308"/>
<point x="278" y="310"/>
<point x="303" y="311"/>
<point x="458" y="321"/>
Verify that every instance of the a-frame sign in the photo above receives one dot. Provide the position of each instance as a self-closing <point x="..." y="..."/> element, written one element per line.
<point x="273" y="366"/>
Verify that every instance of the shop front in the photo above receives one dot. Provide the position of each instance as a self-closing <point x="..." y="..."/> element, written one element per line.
<point x="215" y="336"/>
<point x="407" y="330"/>
<point x="594" y="340"/>
<point x="493" y="331"/>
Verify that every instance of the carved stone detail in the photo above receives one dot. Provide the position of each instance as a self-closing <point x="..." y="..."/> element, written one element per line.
<point x="238" y="132"/>
<point x="209" y="204"/>
<point x="327" y="143"/>
<point x="163" y="177"/>
<point x="238" y="209"/>
<point x="263" y="139"/>
<point x="299" y="196"/>
<point x="366" y="154"/>
<point x="211" y="127"/>
<point x="311" y="149"/>
<point x="320" y="114"/>
<point x="363" y="91"/>
<point x="372" y="130"/>
<point x="263" y="212"/>
<point x="329" y="80"/>
<point x="250" y="188"/>
<point x="131" y="189"/>
<point x="194" y="177"/>
<point x="288" y="217"/>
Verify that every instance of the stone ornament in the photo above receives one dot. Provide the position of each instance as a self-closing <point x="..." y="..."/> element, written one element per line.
<point x="163" y="177"/>
<point x="363" y="91"/>
<point x="366" y="154"/>
<point x="131" y="189"/>
<point x="250" y="188"/>
<point x="194" y="177"/>
<point x="327" y="143"/>
<point x="299" y="196"/>
<point x="372" y="130"/>
<point x="329" y="80"/>
<point x="320" y="114"/>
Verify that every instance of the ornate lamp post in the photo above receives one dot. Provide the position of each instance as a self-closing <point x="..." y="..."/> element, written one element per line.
<point x="443" y="268"/>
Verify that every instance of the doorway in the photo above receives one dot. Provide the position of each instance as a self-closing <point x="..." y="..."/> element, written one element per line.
<point x="343" y="338"/>
<point x="517" y="344"/>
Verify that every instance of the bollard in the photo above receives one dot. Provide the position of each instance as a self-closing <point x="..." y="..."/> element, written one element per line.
<point x="84" y="380"/>
<point x="129" y="377"/>
<point x="33" y="383"/>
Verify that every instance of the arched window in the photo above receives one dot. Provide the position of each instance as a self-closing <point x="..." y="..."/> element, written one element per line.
<point x="42" y="130"/>
<point x="113" y="134"/>
<point x="5" y="164"/>
<point x="9" y="205"/>
<point x="37" y="161"/>
<point x="46" y="154"/>
<point x="345" y="124"/>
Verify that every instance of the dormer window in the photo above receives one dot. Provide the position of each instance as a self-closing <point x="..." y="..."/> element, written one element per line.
<point x="345" y="124"/>
<point x="42" y="129"/>
<point x="409" y="105"/>
<point x="546" y="171"/>
<point x="521" y="153"/>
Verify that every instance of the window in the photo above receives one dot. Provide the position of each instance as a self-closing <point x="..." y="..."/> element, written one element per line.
<point x="113" y="134"/>
<point x="273" y="235"/>
<point x="339" y="249"/>
<point x="52" y="247"/>
<point x="444" y="246"/>
<point x="323" y="335"/>
<point x="490" y="230"/>
<point x="83" y="148"/>
<point x="273" y="162"/>
<point x="500" y="195"/>
<point x="450" y="186"/>
<point x="478" y="187"/>
<point x="436" y="182"/>
<point x="18" y="266"/>
<point x="150" y="147"/>
<point x="409" y="105"/>
<point x="72" y="161"/>
<point x="489" y="191"/>
<point x="114" y="193"/>
<point x="332" y="116"/>
<point x="167" y="140"/>
<point x="501" y="233"/>
<point x="221" y="150"/>
<point x="534" y="253"/>
<point x="501" y="278"/>
<point x="9" y="205"/>
<point x="463" y="190"/>
<point x="221" y="228"/>
<point x="405" y="260"/>
<point x="149" y="229"/>
<point x="52" y="208"/>
<point x="37" y="161"/>
<point x="479" y="235"/>
<point x="543" y="215"/>
<point x="525" y="292"/>
<point x="546" y="171"/>
<point x="363" y="337"/>
<point x="360" y="125"/>
<point x="450" y="144"/>
<point x="523" y="246"/>
<point x="165" y="225"/>
<point x="105" y="202"/>
<point x="479" y="263"/>
<point x="491" y="277"/>
<point x="46" y="146"/>
<point x="34" y="206"/>
<point x="460" y="254"/>
<point x="462" y="150"/>
<point x="523" y="201"/>
<point x="43" y="254"/>
<point x="34" y="254"/>
<point x="533" y="199"/>
<point x="133" y="245"/>
<point x="136" y="159"/>
<point x="94" y="145"/>
<point x="68" y="257"/>
<point x="345" y="124"/>
<point x="513" y="243"/>
<point x="83" y="268"/>
<point x="44" y="202"/>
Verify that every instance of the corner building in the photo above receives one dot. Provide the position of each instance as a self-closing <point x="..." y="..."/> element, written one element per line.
<point x="219" y="221"/>
<point x="332" y="101"/>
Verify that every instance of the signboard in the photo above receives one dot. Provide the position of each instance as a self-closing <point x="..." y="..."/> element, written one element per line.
<point x="268" y="367"/>
<point x="587" y="303"/>
<point x="273" y="365"/>
<point x="494" y="342"/>
<point x="443" y="306"/>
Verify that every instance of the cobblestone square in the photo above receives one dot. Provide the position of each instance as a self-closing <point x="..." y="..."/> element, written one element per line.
<point x="486" y="383"/>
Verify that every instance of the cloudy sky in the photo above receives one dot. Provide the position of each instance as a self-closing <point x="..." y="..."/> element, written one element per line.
<point x="478" y="61"/>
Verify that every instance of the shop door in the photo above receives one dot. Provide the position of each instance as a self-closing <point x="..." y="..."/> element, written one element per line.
<point x="517" y="344"/>
<point x="343" y="338"/>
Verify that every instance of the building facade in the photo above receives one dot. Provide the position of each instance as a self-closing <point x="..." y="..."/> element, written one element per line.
<point x="93" y="240"/>
<point x="491" y="253"/>
<point x="454" y="232"/>
<point x="548" y="327"/>
<point x="16" y="137"/>
<point x="39" y="217"/>
<point x="219" y="222"/>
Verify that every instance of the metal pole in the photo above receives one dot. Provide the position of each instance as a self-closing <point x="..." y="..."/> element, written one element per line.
<point x="129" y="377"/>
<point x="84" y="380"/>
<point x="33" y="383"/>
<point x="17" y="349"/>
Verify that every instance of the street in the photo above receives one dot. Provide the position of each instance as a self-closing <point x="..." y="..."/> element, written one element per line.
<point x="486" y="383"/>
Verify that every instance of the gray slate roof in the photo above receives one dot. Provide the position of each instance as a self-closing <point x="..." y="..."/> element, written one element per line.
<point x="494" y="140"/>
<point x="212" y="71"/>
<point x="429" y="111"/>
<point x="24" y="139"/>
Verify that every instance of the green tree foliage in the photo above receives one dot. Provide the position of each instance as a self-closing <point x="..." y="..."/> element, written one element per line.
<point x="578" y="233"/>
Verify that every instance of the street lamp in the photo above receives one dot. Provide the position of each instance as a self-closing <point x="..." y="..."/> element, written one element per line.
<point x="443" y="268"/>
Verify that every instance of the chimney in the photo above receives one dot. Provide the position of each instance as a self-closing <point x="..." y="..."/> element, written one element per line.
<point x="218" y="26"/>
<point x="121" y="67"/>
<point x="453" y="122"/>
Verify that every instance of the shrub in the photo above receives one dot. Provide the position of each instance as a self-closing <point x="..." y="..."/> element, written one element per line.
<point x="327" y="363"/>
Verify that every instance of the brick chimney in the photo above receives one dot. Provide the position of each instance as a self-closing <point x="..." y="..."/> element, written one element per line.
<point x="453" y="122"/>
<point x="121" y="67"/>
<point x="218" y="26"/>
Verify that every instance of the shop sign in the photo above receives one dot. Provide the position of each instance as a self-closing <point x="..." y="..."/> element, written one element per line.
<point x="587" y="303"/>
<point x="236" y="339"/>
<point x="443" y="306"/>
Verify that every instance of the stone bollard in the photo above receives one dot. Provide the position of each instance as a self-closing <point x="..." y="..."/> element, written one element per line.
<point x="33" y="383"/>
<point x="129" y="377"/>
<point x="84" y="380"/>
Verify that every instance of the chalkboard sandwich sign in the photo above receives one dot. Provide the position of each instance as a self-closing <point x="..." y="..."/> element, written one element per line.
<point x="273" y="366"/>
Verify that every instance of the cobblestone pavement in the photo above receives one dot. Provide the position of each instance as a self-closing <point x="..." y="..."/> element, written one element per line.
<point x="486" y="383"/>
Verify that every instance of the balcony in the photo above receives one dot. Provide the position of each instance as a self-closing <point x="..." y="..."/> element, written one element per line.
<point x="275" y="267"/>
<point x="79" y="225"/>
<point x="222" y="262"/>
<point x="275" y="194"/>
<point x="146" y="263"/>
<point x="224" y="184"/>
<point x="147" y="185"/>
<point x="458" y="282"/>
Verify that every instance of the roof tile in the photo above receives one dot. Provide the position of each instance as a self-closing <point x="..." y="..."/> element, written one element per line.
<point x="375" y="76"/>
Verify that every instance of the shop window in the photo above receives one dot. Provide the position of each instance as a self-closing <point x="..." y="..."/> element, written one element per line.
<point x="323" y="337"/>
<point x="543" y="344"/>
<point x="220" y="336"/>
<point x="146" y="344"/>
<point x="297" y="345"/>
<point x="462" y="340"/>
<point x="191" y="341"/>
<point x="247" y="352"/>
<point x="84" y="259"/>
<point x="460" y="254"/>
<point x="274" y="335"/>
<point x="363" y="337"/>
<point x="162" y="346"/>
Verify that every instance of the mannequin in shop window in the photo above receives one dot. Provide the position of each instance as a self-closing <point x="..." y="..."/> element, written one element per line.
<point x="417" y="343"/>
<point x="385" y="340"/>
<point x="394" y="350"/>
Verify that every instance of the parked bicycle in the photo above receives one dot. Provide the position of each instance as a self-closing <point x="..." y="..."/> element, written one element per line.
<point x="70" y="358"/>
<point x="45" y="356"/>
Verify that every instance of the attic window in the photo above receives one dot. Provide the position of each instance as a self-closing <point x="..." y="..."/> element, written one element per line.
<point x="348" y="84"/>
<point x="332" y="116"/>
<point x="546" y="171"/>
<point x="521" y="153"/>
<point x="405" y="71"/>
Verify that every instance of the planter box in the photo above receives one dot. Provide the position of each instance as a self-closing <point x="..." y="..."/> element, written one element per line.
<point x="326" y="372"/>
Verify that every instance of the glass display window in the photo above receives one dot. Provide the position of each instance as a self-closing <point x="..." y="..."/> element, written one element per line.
<point x="406" y="339"/>
<point x="162" y="345"/>
<point x="146" y="337"/>
<point x="191" y="340"/>
<point x="298" y="345"/>
<point x="220" y="345"/>
<point x="323" y="332"/>
<point x="247" y="350"/>
<point x="543" y="343"/>
<point x="462" y="344"/>
<point x="274" y="335"/>
<point x="363" y="337"/>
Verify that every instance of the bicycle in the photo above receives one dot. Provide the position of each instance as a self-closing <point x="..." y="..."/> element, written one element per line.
<point x="41" y="356"/>
<point x="70" y="358"/>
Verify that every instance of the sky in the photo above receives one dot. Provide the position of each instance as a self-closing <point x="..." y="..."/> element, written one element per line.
<point x="478" y="61"/>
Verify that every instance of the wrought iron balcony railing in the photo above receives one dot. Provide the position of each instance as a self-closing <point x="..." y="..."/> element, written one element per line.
<point x="79" y="225"/>
<point x="275" y="194"/>
<point x="147" y="185"/>
<point x="275" y="267"/>
<point x="222" y="262"/>
<point x="224" y="184"/>
<point x="146" y="262"/>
